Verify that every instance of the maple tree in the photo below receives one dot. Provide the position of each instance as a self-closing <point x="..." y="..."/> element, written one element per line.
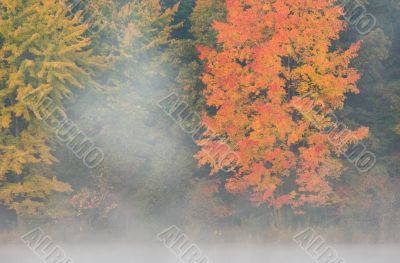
<point x="273" y="56"/>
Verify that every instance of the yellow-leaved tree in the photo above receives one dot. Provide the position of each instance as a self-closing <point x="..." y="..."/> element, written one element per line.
<point x="44" y="53"/>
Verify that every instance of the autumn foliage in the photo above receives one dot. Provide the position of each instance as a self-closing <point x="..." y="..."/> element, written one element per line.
<point x="271" y="56"/>
<point x="44" y="54"/>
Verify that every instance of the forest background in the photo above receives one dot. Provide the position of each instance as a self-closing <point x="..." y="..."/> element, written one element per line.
<point x="108" y="71"/>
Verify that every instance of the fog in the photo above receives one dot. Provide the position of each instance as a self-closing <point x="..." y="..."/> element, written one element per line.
<point x="234" y="253"/>
<point x="147" y="110"/>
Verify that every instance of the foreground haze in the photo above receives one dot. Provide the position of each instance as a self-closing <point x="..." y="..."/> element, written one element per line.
<point x="234" y="253"/>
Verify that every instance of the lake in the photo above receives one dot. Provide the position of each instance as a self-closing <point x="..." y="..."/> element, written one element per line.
<point x="234" y="253"/>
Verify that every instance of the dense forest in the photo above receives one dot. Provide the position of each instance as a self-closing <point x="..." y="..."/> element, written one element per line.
<point x="233" y="119"/>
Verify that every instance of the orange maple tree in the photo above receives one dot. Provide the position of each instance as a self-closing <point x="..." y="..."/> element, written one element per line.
<point x="271" y="56"/>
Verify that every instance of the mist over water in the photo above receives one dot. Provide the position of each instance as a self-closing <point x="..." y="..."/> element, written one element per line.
<point x="151" y="198"/>
<point x="218" y="253"/>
